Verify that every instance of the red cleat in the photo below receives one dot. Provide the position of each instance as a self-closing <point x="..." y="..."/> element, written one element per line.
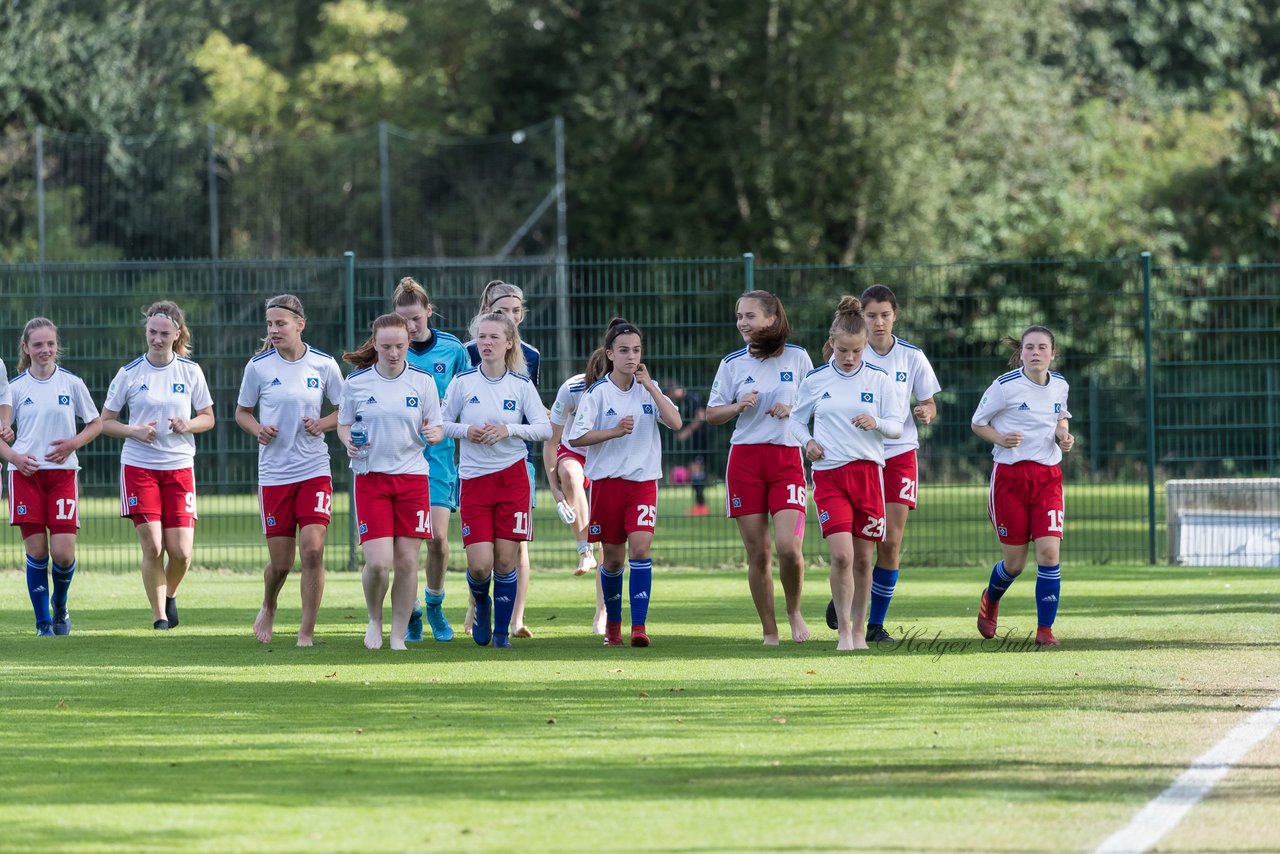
<point x="638" y="637"/>
<point x="613" y="633"/>
<point x="1044" y="637"/>
<point x="988" y="613"/>
<point x="699" y="510"/>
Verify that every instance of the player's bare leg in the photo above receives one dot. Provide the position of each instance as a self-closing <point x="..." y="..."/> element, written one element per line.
<point x="311" y="551"/>
<point x="378" y="557"/>
<point x="788" y="529"/>
<point x="755" y="537"/>
<point x="280" y="554"/>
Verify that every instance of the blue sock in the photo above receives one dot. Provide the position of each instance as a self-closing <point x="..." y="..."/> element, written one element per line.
<point x="611" y="588"/>
<point x="504" y="601"/>
<point x="1048" y="586"/>
<point x="999" y="583"/>
<point x="641" y="584"/>
<point x="882" y="583"/>
<point x="62" y="584"/>
<point x="482" y="628"/>
<point x="38" y="588"/>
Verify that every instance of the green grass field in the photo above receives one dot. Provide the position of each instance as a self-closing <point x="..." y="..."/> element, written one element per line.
<point x="123" y="739"/>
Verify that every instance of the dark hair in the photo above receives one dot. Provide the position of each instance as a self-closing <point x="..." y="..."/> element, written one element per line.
<point x="599" y="358"/>
<point x="597" y="366"/>
<point x="848" y="320"/>
<point x="288" y="302"/>
<point x="1015" y="359"/>
<point x="880" y="293"/>
<point x="366" y="354"/>
<point x="515" y="356"/>
<point x="768" y="342"/>
<point x="170" y="309"/>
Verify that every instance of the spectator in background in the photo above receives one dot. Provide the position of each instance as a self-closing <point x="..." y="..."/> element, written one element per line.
<point x="693" y="410"/>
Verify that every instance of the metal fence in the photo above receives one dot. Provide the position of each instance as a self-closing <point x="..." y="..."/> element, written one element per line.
<point x="1174" y="373"/>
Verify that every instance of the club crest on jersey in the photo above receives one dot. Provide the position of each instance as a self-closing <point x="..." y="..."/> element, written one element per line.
<point x="594" y="529"/>
<point x="438" y="367"/>
<point x="1002" y="531"/>
<point x="786" y="376"/>
<point x="1023" y="407"/>
<point x="610" y="412"/>
<point x="900" y="376"/>
<point x="508" y="406"/>
<point x="823" y="517"/>
<point x="1057" y="407"/>
<point x="411" y="402"/>
<point x="737" y="502"/>
<point x="275" y="381"/>
<point x="271" y="521"/>
<point x="64" y="400"/>
<point x="749" y="380"/>
<point x="364" y="527"/>
<point x="313" y="382"/>
<point x="133" y="501"/>
<point x="647" y="408"/>
<point x="179" y="388"/>
<point x="466" y="530"/>
<point x="22" y="510"/>
<point x="868" y="397"/>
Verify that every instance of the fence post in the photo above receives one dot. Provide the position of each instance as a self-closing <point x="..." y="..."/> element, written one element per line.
<point x="213" y="193"/>
<point x="748" y="272"/>
<point x="564" y="331"/>
<point x="43" y="250"/>
<point x="1149" y="381"/>
<point x="349" y="287"/>
<point x="1095" y="429"/>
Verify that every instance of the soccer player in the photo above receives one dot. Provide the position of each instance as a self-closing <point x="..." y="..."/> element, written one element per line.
<point x="506" y="298"/>
<point x="617" y="422"/>
<point x="443" y="356"/>
<point x="486" y="407"/>
<point x="289" y="381"/>
<point x="397" y="410"/>
<point x="46" y="399"/>
<point x="1024" y="415"/>
<point x="168" y="402"/>
<point x="765" y="476"/>
<point x="909" y="368"/>
<point x="565" y="475"/>
<point x="853" y="406"/>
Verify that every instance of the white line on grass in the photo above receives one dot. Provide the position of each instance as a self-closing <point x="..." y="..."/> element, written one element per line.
<point x="1163" y="813"/>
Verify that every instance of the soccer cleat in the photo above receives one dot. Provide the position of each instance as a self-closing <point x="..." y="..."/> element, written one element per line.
<point x="61" y="622"/>
<point x="44" y="630"/>
<point x="413" y="632"/>
<point x="501" y="641"/>
<point x="699" y="510"/>
<point x="171" y="611"/>
<point x="160" y="625"/>
<point x="440" y="628"/>
<point x="638" y="636"/>
<point x="613" y="633"/>
<point x="482" y="628"/>
<point x="1044" y="637"/>
<point x="988" y="612"/>
<point x="832" y="622"/>
<point x="877" y="634"/>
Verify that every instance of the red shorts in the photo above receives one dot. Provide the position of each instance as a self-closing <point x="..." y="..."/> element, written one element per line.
<point x="620" y="507"/>
<point x="497" y="506"/>
<point x="289" y="507"/>
<point x="393" y="505"/>
<point x="1025" y="502"/>
<point x="563" y="453"/>
<point x="850" y="500"/>
<point x="901" y="476"/>
<point x="45" y="500"/>
<point x="763" y="478"/>
<point x="167" y="497"/>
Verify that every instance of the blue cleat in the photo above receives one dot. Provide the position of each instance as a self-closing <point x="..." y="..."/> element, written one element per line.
<point x="413" y="634"/>
<point x="482" y="628"/>
<point x="61" y="621"/>
<point x="501" y="641"/>
<point x="440" y="628"/>
<point x="44" y="630"/>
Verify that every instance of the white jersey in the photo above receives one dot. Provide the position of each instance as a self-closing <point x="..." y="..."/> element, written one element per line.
<point x="832" y="399"/>
<point x="566" y="405"/>
<point x="636" y="456"/>
<point x="45" y="410"/>
<point x="473" y="399"/>
<point x="4" y="383"/>
<point x="907" y="366"/>
<point x="156" y="394"/>
<point x="286" y="392"/>
<point x="392" y="412"/>
<point x="1014" y="404"/>
<point x="776" y="378"/>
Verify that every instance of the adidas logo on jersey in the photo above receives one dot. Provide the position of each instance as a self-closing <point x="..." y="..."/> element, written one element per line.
<point x="1024" y="408"/>
<point x="610" y="412"/>
<point x="826" y="395"/>
<point x="749" y="380"/>
<point x="143" y="387"/>
<point x="27" y="401"/>
<point x="276" y="381"/>
<point x="474" y="399"/>
<point x="371" y="399"/>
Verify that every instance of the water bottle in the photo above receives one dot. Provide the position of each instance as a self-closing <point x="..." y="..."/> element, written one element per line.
<point x="360" y="438"/>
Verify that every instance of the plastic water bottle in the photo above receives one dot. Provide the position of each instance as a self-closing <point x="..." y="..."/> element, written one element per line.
<point x="360" y="438"/>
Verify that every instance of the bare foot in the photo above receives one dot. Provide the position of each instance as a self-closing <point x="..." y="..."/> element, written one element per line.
<point x="522" y="632"/>
<point x="263" y="624"/>
<point x="305" y="641"/>
<point x="586" y="563"/>
<point x="860" y="641"/>
<point x="398" y="643"/>
<point x="373" y="636"/>
<point x="597" y="624"/>
<point x="844" y="642"/>
<point x="799" y="628"/>
<point x="771" y="640"/>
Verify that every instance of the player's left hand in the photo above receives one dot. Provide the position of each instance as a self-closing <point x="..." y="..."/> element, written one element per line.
<point x="864" y="422"/>
<point x="26" y="464"/>
<point x="177" y="425"/>
<point x="779" y="410"/>
<point x="59" y="450"/>
<point x="923" y="413"/>
<point x="1065" y="440"/>
<point x="642" y="376"/>
<point x="312" y="426"/>
<point x="433" y="433"/>
<point x="495" y="433"/>
<point x="7" y="434"/>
